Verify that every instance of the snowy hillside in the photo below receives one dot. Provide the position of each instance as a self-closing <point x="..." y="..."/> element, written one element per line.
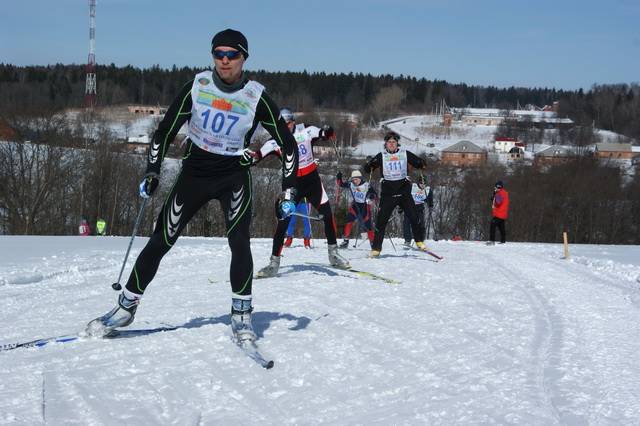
<point x="506" y="334"/>
<point x="419" y="136"/>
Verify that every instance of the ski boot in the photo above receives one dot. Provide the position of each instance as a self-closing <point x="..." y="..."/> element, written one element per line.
<point x="344" y="244"/>
<point x="241" y="326"/>
<point x="407" y="245"/>
<point x="335" y="259"/>
<point x="421" y="246"/>
<point x="120" y="316"/>
<point x="271" y="270"/>
<point x="374" y="254"/>
<point x="307" y="243"/>
<point x="288" y="241"/>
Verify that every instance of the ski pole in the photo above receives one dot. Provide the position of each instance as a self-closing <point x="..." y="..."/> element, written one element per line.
<point x="306" y="216"/>
<point x="393" y="245"/>
<point x="358" y="228"/>
<point x="116" y="286"/>
<point x="360" y="223"/>
<point x="428" y="227"/>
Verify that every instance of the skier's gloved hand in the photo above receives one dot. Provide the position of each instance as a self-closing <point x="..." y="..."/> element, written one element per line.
<point x="286" y="203"/>
<point x="328" y="132"/>
<point x="149" y="185"/>
<point x="286" y="208"/>
<point x="249" y="157"/>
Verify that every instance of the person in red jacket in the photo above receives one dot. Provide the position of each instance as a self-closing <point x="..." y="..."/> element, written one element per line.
<point x="84" y="229"/>
<point x="500" y="212"/>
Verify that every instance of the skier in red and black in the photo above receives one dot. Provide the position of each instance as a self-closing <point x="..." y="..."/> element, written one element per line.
<point x="223" y="109"/>
<point x="499" y="212"/>
<point x="360" y="209"/>
<point x="309" y="186"/>
<point x="395" y="188"/>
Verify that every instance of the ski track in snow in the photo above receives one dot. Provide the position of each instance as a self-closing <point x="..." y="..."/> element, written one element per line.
<point x="492" y="335"/>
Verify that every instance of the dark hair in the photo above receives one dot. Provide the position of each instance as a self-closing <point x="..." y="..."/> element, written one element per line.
<point x="392" y="135"/>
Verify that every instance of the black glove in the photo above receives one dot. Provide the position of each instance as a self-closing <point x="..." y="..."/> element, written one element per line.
<point x="149" y="185"/>
<point x="328" y="132"/>
<point x="339" y="176"/>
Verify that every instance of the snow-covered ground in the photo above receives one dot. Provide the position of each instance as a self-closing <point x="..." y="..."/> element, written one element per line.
<point x="507" y="334"/>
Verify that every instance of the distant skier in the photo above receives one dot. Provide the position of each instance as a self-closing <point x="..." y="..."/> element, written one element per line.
<point x="421" y="194"/>
<point x="84" y="229"/>
<point x="360" y="208"/>
<point x="222" y="108"/>
<point x="101" y="227"/>
<point x="500" y="212"/>
<point x="395" y="189"/>
<point x="309" y="185"/>
<point x="303" y="207"/>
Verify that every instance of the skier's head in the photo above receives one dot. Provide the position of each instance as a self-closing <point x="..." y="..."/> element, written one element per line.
<point x="229" y="49"/>
<point x="391" y="141"/>
<point x="356" y="177"/>
<point x="288" y="117"/>
<point x="499" y="185"/>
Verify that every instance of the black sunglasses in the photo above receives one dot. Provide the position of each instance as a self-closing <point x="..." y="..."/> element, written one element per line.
<point x="230" y="54"/>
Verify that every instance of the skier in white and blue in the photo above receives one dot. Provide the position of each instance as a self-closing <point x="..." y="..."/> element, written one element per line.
<point x="223" y="109"/>
<point x="421" y="194"/>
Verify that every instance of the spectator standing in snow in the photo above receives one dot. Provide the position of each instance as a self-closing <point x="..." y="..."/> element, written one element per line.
<point x="101" y="227"/>
<point x="84" y="229"/>
<point x="500" y="212"/>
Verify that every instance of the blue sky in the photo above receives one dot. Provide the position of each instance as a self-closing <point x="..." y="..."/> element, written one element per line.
<point x="563" y="44"/>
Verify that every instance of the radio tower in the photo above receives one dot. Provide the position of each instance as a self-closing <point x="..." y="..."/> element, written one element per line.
<point x="90" y="87"/>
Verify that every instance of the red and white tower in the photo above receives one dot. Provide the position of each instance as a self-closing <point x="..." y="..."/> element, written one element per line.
<point x="90" y="87"/>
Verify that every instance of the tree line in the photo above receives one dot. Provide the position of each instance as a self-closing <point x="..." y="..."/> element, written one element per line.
<point x="612" y="107"/>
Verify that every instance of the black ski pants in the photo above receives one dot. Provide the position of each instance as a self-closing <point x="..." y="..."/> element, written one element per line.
<point x="406" y="224"/>
<point x="496" y="222"/>
<point x="188" y="195"/>
<point x="309" y="186"/>
<point x="395" y="193"/>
